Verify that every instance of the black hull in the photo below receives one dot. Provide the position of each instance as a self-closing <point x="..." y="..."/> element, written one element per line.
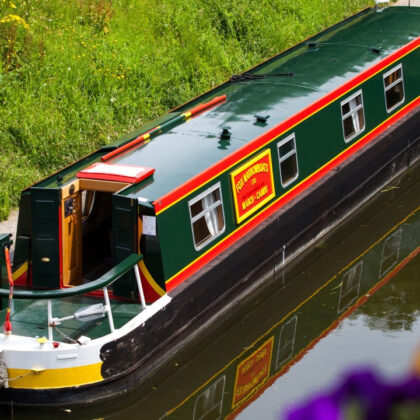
<point x="257" y="256"/>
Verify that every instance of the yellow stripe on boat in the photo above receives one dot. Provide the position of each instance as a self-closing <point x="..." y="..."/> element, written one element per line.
<point x="55" y="378"/>
<point x="142" y="266"/>
<point x="20" y="270"/>
<point x="150" y="279"/>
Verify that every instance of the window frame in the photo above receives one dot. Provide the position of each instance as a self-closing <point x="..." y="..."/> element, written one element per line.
<point x="393" y="252"/>
<point x="386" y="88"/>
<point x="290" y="137"/>
<point x="208" y="391"/>
<point x="361" y="106"/>
<point x="281" y="344"/>
<point x="198" y="198"/>
<point x="352" y="274"/>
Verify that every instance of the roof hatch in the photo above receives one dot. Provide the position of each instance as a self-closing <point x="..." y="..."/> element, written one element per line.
<point x="114" y="172"/>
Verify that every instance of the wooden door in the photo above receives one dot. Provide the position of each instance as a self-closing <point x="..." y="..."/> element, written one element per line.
<point x="71" y="233"/>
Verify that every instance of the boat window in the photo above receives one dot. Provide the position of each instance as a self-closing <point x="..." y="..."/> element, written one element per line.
<point x="353" y="116"/>
<point x="394" y="88"/>
<point x="288" y="160"/>
<point x="207" y="218"/>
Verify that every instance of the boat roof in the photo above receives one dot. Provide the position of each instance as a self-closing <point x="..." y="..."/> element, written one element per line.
<point x="319" y="65"/>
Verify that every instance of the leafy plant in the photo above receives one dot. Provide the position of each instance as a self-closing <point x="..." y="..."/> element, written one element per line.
<point x="84" y="72"/>
<point x="14" y="36"/>
<point x="96" y="13"/>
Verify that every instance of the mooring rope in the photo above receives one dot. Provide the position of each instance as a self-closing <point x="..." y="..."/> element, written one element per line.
<point x="70" y="339"/>
<point x="22" y="376"/>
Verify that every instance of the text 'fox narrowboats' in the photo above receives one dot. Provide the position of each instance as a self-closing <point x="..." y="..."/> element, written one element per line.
<point x="119" y="253"/>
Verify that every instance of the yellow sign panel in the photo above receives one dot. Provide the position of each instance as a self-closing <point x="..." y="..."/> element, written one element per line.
<point x="252" y="372"/>
<point x="252" y="185"/>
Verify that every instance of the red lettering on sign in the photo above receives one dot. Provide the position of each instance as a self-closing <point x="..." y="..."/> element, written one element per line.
<point x="252" y="372"/>
<point x="252" y="185"/>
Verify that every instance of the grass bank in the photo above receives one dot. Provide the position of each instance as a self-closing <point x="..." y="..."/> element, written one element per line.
<point x="75" y="75"/>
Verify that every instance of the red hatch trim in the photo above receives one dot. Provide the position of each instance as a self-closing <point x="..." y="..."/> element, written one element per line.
<point x="113" y="172"/>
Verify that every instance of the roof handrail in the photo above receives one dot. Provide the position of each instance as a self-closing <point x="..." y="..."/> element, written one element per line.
<point x="143" y="138"/>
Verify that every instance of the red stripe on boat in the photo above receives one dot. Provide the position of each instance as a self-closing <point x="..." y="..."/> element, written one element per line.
<point x="202" y="107"/>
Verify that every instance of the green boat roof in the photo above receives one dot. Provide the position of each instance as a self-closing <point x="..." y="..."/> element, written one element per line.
<point x="340" y="53"/>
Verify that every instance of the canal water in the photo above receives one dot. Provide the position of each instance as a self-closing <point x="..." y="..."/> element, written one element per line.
<point x="351" y="301"/>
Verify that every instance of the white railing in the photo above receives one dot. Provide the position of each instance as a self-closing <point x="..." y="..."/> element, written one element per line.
<point x="94" y="311"/>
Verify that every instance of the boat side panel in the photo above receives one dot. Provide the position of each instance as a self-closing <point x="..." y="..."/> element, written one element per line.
<point x="304" y="218"/>
<point x="319" y="139"/>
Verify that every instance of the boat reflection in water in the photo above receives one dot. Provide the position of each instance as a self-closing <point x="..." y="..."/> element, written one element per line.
<point x="261" y="335"/>
<point x="371" y="249"/>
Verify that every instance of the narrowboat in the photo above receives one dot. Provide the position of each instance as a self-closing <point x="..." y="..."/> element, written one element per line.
<point x="119" y="256"/>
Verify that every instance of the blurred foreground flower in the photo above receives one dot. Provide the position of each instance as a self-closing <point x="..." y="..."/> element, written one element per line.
<point x="363" y="395"/>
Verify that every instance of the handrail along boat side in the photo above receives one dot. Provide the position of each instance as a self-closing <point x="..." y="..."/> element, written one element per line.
<point x="102" y="282"/>
<point x="105" y="280"/>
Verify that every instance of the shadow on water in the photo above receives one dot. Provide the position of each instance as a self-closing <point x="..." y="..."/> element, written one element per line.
<point x="361" y="277"/>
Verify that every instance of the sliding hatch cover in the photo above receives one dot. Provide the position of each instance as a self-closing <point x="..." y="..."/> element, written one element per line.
<point x="115" y="173"/>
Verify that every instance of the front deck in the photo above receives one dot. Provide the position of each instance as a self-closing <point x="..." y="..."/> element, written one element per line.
<point x="30" y="318"/>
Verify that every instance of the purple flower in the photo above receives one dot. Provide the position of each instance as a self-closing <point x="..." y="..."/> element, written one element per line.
<point x="373" y="396"/>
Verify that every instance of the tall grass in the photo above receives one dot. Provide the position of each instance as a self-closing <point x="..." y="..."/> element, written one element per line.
<point x="75" y="75"/>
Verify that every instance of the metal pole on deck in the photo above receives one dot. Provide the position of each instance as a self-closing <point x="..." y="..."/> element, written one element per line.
<point x="49" y="311"/>
<point x="139" y="286"/>
<point x="108" y="309"/>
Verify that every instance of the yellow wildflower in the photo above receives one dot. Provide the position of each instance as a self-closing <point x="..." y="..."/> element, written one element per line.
<point x="14" y="19"/>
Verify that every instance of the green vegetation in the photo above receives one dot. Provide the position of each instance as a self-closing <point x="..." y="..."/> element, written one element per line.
<point x="77" y="74"/>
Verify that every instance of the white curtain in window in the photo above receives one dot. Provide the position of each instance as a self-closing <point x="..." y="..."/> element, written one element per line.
<point x="354" y="115"/>
<point x="211" y="216"/>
